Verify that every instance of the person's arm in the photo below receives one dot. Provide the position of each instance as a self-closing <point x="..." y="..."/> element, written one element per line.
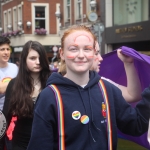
<point x="132" y="92"/>
<point x="132" y="121"/>
<point x="3" y="86"/>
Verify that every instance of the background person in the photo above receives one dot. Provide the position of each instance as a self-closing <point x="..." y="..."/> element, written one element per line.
<point x="7" y="70"/>
<point x="131" y="92"/>
<point x="84" y="107"/>
<point x="22" y="92"/>
<point x="114" y="70"/>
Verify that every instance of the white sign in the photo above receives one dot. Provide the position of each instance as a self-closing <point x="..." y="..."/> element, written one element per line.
<point x="92" y="16"/>
<point x="18" y="49"/>
<point x="55" y="49"/>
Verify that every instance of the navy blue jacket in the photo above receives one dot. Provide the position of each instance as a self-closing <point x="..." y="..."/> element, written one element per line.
<point x="88" y="101"/>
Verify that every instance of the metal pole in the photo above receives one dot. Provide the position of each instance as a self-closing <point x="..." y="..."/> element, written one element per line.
<point x="99" y="35"/>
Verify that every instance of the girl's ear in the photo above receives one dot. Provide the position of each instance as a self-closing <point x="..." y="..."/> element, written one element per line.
<point x="61" y="53"/>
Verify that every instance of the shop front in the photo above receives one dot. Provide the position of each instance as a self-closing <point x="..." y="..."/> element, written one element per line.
<point x="16" y="51"/>
<point x="130" y="25"/>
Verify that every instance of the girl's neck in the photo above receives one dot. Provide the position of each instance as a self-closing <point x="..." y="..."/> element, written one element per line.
<point x="80" y="79"/>
<point x="3" y="64"/>
<point x="36" y="84"/>
<point x="35" y="76"/>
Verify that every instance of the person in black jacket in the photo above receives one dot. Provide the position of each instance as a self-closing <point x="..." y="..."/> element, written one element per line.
<point x="22" y="93"/>
<point x="81" y="111"/>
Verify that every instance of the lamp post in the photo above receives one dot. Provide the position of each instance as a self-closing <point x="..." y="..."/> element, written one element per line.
<point x="28" y="24"/>
<point x="9" y="27"/>
<point x="97" y="27"/>
<point x="93" y="5"/>
<point x="58" y="15"/>
<point x="1" y="29"/>
<point x="20" y="24"/>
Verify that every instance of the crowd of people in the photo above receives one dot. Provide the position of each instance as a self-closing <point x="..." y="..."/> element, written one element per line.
<point x="74" y="108"/>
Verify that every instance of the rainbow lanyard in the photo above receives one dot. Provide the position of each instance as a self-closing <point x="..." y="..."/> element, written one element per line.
<point x="109" y="126"/>
<point x="60" y="110"/>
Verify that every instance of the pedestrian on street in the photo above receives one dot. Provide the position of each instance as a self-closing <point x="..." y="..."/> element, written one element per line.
<point x="7" y="70"/>
<point x="22" y="93"/>
<point x="81" y="110"/>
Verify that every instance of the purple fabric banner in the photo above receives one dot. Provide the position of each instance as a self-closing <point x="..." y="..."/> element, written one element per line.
<point x="113" y="68"/>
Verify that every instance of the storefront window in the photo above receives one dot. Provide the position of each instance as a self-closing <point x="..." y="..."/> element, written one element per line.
<point x="130" y="11"/>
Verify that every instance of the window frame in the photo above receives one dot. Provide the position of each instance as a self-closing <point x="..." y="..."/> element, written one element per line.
<point x="40" y="18"/>
<point x="9" y="17"/>
<point x="113" y="16"/>
<point x="15" y="18"/>
<point x="5" y="21"/>
<point x="79" y="9"/>
<point x="67" y="14"/>
<point x="19" y="16"/>
<point x="47" y="23"/>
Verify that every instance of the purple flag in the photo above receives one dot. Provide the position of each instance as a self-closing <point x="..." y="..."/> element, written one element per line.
<point x="113" y="68"/>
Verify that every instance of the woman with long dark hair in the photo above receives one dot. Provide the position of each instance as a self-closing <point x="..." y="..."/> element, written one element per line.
<point x="22" y="93"/>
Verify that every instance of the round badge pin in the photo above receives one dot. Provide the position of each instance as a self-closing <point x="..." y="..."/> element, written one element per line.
<point x="76" y="115"/>
<point x="84" y="119"/>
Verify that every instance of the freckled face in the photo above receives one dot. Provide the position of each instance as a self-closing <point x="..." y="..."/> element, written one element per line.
<point x="33" y="61"/>
<point x="78" y="51"/>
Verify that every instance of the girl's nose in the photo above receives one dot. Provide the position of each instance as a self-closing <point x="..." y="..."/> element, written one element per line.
<point x="81" y="53"/>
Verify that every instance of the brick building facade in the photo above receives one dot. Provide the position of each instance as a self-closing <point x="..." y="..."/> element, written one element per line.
<point x="40" y="14"/>
<point x="17" y="15"/>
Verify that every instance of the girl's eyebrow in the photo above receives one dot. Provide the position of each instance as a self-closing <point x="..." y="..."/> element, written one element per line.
<point x="73" y="45"/>
<point x="78" y="45"/>
<point x="88" y="46"/>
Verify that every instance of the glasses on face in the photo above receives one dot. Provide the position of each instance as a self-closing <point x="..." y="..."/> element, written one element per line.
<point x="3" y="49"/>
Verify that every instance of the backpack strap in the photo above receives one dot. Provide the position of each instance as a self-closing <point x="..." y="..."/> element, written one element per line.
<point x="60" y="111"/>
<point x="106" y="101"/>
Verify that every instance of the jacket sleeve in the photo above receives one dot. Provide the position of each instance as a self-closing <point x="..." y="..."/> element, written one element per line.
<point x="133" y="120"/>
<point x="44" y="122"/>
